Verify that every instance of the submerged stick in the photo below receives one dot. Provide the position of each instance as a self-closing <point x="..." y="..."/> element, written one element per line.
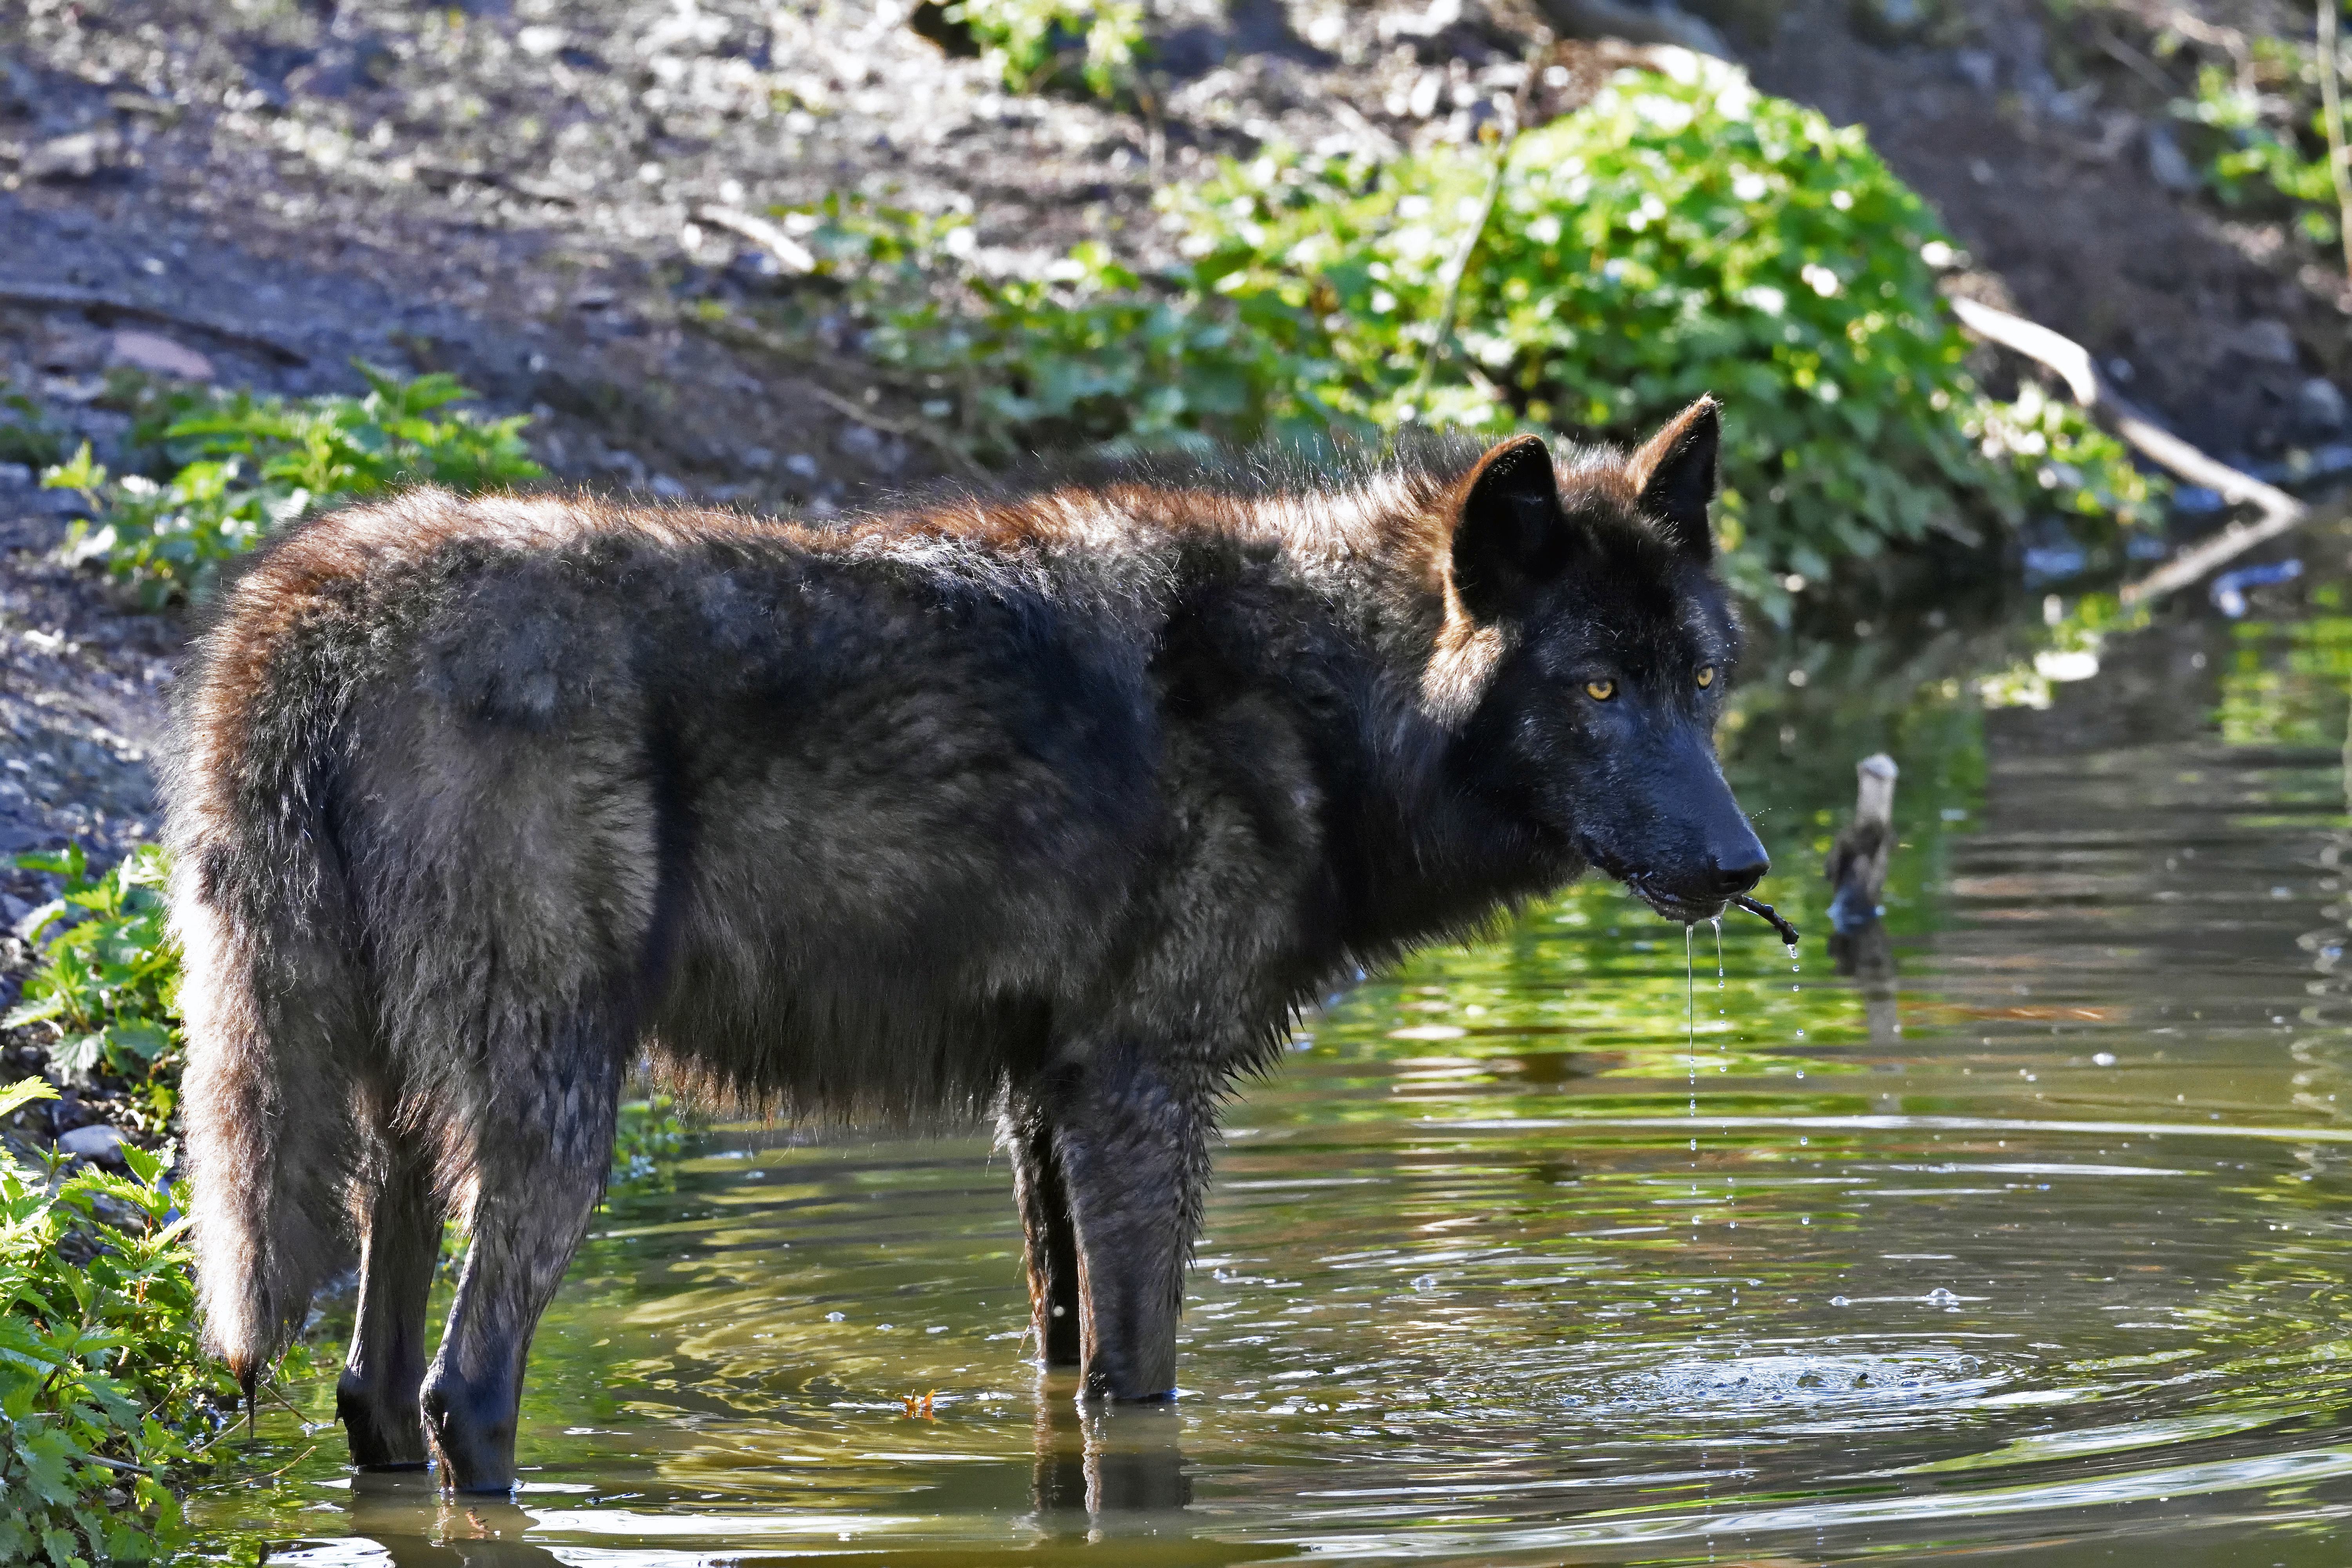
<point x="1769" y="914"/>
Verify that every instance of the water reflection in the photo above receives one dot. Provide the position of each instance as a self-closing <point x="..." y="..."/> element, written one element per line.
<point x="1530" y="1253"/>
<point x="1124" y="1460"/>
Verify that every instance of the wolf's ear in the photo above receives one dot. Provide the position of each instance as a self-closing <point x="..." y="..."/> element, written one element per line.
<point x="1510" y="532"/>
<point x="1674" y="474"/>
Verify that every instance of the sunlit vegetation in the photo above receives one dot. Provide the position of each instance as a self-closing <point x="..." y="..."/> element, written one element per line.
<point x="106" y="1400"/>
<point x="1680" y="233"/>
<point x="236" y="468"/>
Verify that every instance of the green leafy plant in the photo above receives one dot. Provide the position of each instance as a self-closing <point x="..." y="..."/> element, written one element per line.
<point x="253" y="465"/>
<point x="105" y="1394"/>
<point x="108" y="975"/>
<point x="1026" y="38"/>
<point x="1680" y="233"/>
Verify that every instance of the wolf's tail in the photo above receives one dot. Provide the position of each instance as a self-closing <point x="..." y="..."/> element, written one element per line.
<point x="269" y="992"/>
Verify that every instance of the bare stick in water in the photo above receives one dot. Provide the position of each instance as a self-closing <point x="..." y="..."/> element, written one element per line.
<point x="1788" y="933"/>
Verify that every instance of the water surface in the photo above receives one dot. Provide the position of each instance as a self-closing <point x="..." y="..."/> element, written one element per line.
<point x="2040" y="1255"/>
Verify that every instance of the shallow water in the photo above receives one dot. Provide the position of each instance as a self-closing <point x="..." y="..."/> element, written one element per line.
<point x="2043" y="1257"/>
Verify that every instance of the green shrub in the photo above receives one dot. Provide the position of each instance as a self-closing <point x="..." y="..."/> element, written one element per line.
<point x="108" y="977"/>
<point x="1680" y="233"/>
<point x="252" y="465"/>
<point x="105" y="1394"/>
<point x="1026" y="38"/>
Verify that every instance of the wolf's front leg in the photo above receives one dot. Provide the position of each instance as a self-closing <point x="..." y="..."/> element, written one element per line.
<point x="1131" y="1142"/>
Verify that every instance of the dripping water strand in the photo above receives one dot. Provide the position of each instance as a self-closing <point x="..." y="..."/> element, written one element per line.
<point x="1690" y="1026"/>
<point x="1690" y="1055"/>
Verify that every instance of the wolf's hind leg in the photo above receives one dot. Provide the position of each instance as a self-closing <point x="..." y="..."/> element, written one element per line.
<point x="542" y="1146"/>
<point x="1132" y="1145"/>
<point x="400" y="1242"/>
<point x="1050" y="1238"/>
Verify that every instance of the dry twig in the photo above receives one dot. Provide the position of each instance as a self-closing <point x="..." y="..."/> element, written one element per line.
<point x="789" y="253"/>
<point x="1459" y="268"/>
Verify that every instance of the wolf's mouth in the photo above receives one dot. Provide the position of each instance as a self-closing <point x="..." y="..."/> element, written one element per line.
<point x="1672" y="905"/>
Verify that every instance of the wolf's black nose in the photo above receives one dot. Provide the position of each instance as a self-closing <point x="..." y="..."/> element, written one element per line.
<point x="1745" y="872"/>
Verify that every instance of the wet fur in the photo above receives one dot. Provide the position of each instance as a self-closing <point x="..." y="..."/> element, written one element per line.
<point x="1058" y="802"/>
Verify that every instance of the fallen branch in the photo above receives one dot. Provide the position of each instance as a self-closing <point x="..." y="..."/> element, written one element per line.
<point x="789" y="253"/>
<point x="115" y="305"/>
<point x="2280" y="511"/>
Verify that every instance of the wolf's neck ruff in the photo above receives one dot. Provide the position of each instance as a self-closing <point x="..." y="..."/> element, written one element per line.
<point x="1054" y="804"/>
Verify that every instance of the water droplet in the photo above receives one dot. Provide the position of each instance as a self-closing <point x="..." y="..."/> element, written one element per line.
<point x="1840" y="1301"/>
<point x="1942" y="1298"/>
<point x="1424" y="1281"/>
<point x="835" y="1317"/>
<point x="2103" y="1058"/>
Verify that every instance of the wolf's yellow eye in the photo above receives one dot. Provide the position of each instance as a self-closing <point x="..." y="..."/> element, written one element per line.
<point x="1600" y="690"/>
<point x="1705" y="675"/>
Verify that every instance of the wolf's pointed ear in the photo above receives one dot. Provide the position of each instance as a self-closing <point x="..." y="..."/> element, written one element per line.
<point x="1674" y="474"/>
<point x="1510" y="532"/>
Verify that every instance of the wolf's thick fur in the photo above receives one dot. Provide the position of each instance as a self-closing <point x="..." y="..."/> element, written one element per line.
<point x="1057" y="803"/>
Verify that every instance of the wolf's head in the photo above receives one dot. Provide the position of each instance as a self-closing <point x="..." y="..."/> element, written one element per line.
<point x="1613" y="644"/>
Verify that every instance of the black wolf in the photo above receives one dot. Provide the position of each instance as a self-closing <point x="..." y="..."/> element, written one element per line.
<point x="1056" y="803"/>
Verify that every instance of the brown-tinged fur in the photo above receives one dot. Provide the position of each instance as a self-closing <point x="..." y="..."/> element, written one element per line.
<point x="1058" y="803"/>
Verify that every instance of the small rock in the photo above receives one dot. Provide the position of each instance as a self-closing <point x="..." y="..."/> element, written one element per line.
<point x="667" y="488"/>
<point x="98" y="1143"/>
<point x="20" y="926"/>
<point x="74" y="157"/>
<point x="155" y="352"/>
<point x="80" y="156"/>
<point x="70" y="350"/>
<point x="2167" y="163"/>
<point x="1890" y="21"/>
<point x="2319" y="407"/>
<point x="1977" y="68"/>
<point x="341" y="70"/>
<point x="2267" y="339"/>
<point x="759" y="459"/>
<point x="800" y="465"/>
